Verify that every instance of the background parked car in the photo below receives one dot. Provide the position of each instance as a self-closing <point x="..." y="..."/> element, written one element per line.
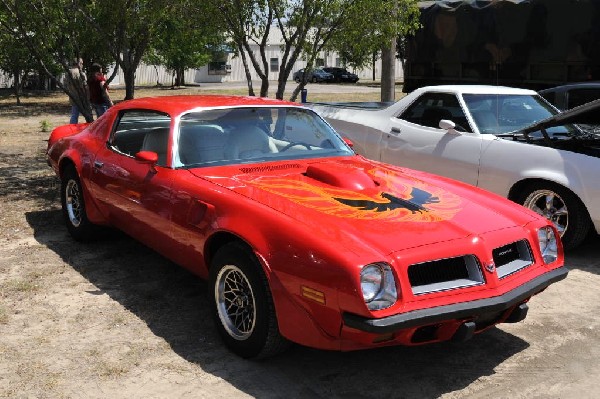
<point x="572" y="95"/>
<point x="341" y="74"/>
<point x="316" y="76"/>
<point x="505" y="140"/>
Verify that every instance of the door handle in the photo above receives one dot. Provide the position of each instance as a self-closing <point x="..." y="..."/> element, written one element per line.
<point x="396" y="130"/>
<point x="98" y="164"/>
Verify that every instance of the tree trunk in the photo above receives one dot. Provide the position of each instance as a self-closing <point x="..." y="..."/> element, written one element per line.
<point x="264" y="86"/>
<point x="373" y="61"/>
<point x="388" y="72"/>
<point x="17" y="85"/>
<point x="246" y="70"/>
<point x="129" y="75"/>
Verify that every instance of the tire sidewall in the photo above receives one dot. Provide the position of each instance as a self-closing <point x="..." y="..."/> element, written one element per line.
<point x="246" y="262"/>
<point x="83" y="231"/>
<point x="579" y="222"/>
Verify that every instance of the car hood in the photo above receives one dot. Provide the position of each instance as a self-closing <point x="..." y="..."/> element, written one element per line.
<point x="368" y="203"/>
<point x="587" y="143"/>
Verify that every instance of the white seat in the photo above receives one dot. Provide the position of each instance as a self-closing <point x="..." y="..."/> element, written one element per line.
<point x="247" y="142"/>
<point x="157" y="140"/>
<point x="202" y="143"/>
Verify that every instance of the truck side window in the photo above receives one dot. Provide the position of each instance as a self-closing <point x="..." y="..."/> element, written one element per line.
<point x="430" y="108"/>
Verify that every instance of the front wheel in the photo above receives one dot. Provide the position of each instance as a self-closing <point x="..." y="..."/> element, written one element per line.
<point x="562" y="207"/>
<point x="242" y="304"/>
<point x="73" y="207"/>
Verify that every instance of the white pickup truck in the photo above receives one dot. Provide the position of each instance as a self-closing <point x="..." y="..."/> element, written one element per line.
<point x="505" y="140"/>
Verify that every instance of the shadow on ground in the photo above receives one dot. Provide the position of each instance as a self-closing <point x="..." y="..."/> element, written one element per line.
<point x="172" y="303"/>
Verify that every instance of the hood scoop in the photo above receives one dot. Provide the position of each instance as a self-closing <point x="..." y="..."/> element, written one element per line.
<point x="342" y="176"/>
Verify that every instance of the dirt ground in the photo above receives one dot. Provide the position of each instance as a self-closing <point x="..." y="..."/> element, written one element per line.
<point x="113" y="319"/>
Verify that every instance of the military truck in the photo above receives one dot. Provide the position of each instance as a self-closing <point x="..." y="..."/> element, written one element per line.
<point x="523" y="43"/>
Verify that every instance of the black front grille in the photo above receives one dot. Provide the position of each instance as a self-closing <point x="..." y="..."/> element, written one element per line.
<point x="505" y="254"/>
<point x="437" y="271"/>
<point x="512" y="257"/>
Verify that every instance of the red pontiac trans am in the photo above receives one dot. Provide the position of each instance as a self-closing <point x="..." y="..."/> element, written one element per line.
<point x="301" y="239"/>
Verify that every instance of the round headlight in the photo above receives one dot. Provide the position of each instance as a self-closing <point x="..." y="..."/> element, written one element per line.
<point x="548" y="244"/>
<point x="378" y="286"/>
<point x="371" y="278"/>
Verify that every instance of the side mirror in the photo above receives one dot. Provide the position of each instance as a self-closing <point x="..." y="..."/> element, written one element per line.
<point x="447" y="124"/>
<point x="149" y="157"/>
<point x="348" y="142"/>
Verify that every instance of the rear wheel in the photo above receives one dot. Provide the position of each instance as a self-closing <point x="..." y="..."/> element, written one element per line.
<point x="73" y="207"/>
<point x="562" y="207"/>
<point x="314" y="80"/>
<point x="242" y="304"/>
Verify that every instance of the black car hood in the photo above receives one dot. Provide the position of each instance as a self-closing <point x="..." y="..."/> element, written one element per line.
<point x="587" y="143"/>
<point x="584" y="114"/>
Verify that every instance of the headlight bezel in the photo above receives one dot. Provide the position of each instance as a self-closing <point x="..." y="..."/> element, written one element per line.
<point x="548" y="244"/>
<point x="378" y="286"/>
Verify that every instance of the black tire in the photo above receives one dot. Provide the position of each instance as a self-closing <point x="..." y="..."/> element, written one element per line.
<point x="242" y="305"/>
<point x="73" y="207"/>
<point x="314" y="80"/>
<point x="297" y="79"/>
<point x="561" y="206"/>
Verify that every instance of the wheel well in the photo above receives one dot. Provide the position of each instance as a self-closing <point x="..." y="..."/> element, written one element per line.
<point x="64" y="164"/>
<point x="218" y="240"/>
<point x="519" y="186"/>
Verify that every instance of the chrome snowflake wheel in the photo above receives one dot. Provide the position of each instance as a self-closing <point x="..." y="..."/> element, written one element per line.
<point x="235" y="302"/>
<point x="73" y="202"/>
<point x="550" y="205"/>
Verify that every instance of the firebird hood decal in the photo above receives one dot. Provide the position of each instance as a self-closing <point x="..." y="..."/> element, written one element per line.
<point x="419" y="196"/>
<point x="396" y="198"/>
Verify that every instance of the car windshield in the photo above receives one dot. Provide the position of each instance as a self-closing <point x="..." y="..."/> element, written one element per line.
<point x="505" y="113"/>
<point x="255" y="134"/>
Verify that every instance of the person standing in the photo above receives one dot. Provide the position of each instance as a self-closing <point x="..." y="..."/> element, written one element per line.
<point x="75" y="85"/>
<point x="98" y="88"/>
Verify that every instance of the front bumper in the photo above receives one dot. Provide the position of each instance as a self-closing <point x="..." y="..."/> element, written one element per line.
<point x="464" y="310"/>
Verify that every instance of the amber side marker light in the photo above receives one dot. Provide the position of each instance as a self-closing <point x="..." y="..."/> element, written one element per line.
<point x="313" y="294"/>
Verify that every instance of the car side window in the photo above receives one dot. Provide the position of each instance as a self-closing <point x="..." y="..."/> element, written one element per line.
<point x="430" y="108"/>
<point x="139" y="130"/>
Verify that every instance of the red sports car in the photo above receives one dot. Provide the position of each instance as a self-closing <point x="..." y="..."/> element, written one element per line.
<point x="301" y="239"/>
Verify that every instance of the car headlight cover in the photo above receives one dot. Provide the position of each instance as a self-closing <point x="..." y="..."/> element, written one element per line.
<point x="378" y="286"/>
<point x="548" y="244"/>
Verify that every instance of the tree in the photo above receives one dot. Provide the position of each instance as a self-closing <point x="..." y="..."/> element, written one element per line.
<point x="361" y="40"/>
<point x="307" y="27"/>
<point x="51" y="30"/>
<point x="15" y="59"/>
<point x="126" y="29"/>
<point x="187" y="40"/>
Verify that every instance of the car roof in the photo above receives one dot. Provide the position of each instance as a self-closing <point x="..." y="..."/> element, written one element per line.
<point x="175" y="105"/>
<point x="579" y="85"/>
<point x="478" y="89"/>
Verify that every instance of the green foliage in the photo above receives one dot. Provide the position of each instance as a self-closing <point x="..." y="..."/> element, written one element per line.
<point x="356" y="28"/>
<point x="368" y="27"/>
<point x="44" y="125"/>
<point x="186" y="40"/>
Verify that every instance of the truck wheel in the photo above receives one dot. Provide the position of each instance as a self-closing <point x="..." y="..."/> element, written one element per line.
<point x="73" y="207"/>
<point x="242" y="304"/>
<point x="562" y="207"/>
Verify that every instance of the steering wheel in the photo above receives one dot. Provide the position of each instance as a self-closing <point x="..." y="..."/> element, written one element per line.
<point x="290" y="145"/>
